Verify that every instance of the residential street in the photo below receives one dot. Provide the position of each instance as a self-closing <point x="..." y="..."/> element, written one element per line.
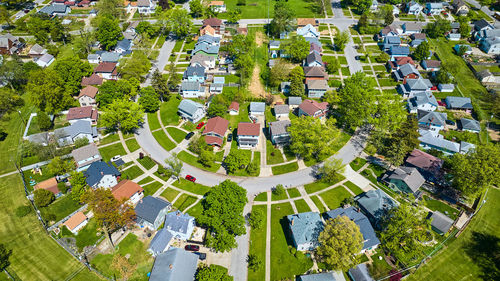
<point x="161" y="60"/>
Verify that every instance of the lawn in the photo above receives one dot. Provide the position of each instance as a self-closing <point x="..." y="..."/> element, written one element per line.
<point x="258" y="245"/>
<point x="320" y="185"/>
<point x="132" y="145"/>
<point x="193" y="187"/>
<point x="274" y="155"/>
<point x="132" y="172"/>
<point x="153" y="121"/>
<point x="146" y="180"/>
<point x="110" y="151"/>
<point x="60" y="208"/>
<point x="317" y="202"/>
<point x="288" y="153"/>
<point x="302" y="206"/>
<point x="335" y="196"/>
<point x="241" y="117"/>
<point x="284" y="265"/>
<point x="109" y="139"/>
<point x="275" y="197"/>
<point x="170" y="194"/>
<point x="357" y="163"/>
<point x="261" y="197"/>
<point x="147" y="162"/>
<point x="193" y="160"/>
<point x="184" y="201"/>
<point x="196" y="210"/>
<point x="151" y="188"/>
<point x="471" y="254"/>
<point x="168" y="111"/>
<point x="87" y="236"/>
<point x="293" y="192"/>
<point x="28" y="241"/>
<point x="176" y="134"/>
<point x="444" y="208"/>
<point x="259" y="9"/>
<point x="283" y="169"/>
<point x="163" y="140"/>
<point x="354" y="188"/>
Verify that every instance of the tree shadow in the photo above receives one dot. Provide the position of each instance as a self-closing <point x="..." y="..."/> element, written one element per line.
<point x="484" y="250"/>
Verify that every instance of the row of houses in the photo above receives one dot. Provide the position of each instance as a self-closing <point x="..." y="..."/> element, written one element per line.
<point x="458" y="7"/>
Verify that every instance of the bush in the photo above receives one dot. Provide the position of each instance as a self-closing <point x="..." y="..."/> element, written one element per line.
<point x="62" y="187"/>
<point x="279" y="190"/>
<point x="22" y="211"/>
<point x="293" y="251"/>
<point x="43" y="197"/>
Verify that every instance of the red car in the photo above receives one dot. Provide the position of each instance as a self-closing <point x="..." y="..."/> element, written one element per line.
<point x="190" y="178"/>
<point x="200" y="125"/>
<point x="193" y="248"/>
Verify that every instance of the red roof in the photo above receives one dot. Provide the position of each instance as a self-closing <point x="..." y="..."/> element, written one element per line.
<point x="212" y="140"/>
<point x="310" y="107"/>
<point x="424" y="161"/>
<point x="89" y="91"/>
<point x="50" y="185"/>
<point x="81" y="113"/>
<point x="105" y="67"/>
<point x="94" y="79"/>
<point x="214" y="22"/>
<point x="248" y="129"/>
<point x="234" y="106"/>
<point x="217" y="125"/>
<point x="75" y="220"/>
<point x="126" y="189"/>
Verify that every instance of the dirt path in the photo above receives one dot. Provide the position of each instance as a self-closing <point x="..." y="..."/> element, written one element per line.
<point x="259" y="38"/>
<point x="255" y="86"/>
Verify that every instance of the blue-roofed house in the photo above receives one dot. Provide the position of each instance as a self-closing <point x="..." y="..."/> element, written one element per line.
<point x="206" y="49"/>
<point x="180" y="225"/>
<point x="191" y="111"/>
<point x="422" y="101"/>
<point x="192" y="89"/>
<point x="413" y="8"/>
<point x="324" y="276"/>
<point x="310" y="40"/>
<point x="431" y="140"/>
<point x="109" y="56"/>
<point x="195" y="73"/>
<point x="462" y="103"/>
<point x="174" y="265"/>
<point x="470" y="125"/>
<point x="150" y="212"/>
<point x="360" y="273"/>
<point x="375" y="204"/>
<point x="414" y="86"/>
<point x="257" y="108"/>
<point x="308" y="31"/>
<point x="390" y="41"/>
<point x="101" y="174"/>
<point x="406" y="179"/>
<point x="434" y="8"/>
<point x="305" y="229"/>
<point x="399" y="51"/>
<point x="160" y="242"/>
<point x="207" y="39"/>
<point x="370" y="240"/>
<point x="123" y="46"/>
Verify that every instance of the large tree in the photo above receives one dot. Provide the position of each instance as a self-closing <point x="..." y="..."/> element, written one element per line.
<point x="137" y="66"/>
<point x="279" y="73"/>
<point x="108" y="33"/>
<point x="331" y="169"/>
<point x="283" y="20"/>
<point x="361" y="5"/>
<point x="43" y="197"/>
<point x="174" y="164"/>
<point x="78" y="186"/>
<point x="71" y="70"/>
<point x="422" y="51"/>
<point x="401" y="142"/>
<point x="223" y="215"/>
<point x="122" y="115"/>
<point x="179" y="22"/>
<point x="341" y="39"/>
<point x="438" y="28"/>
<point x="110" y="8"/>
<point x="59" y="166"/>
<point x="149" y="99"/>
<point x="390" y="112"/>
<point x="340" y="243"/>
<point x="235" y="160"/>
<point x="112" y="90"/>
<point x="159" y="83"/>
<point x="196" y="8"/>
<point x="9" y="100"/>
<point x="297" y="82"/>
<point x="297" y="48"/>
<point x="213" y="273"/>
<point x="47" y="91"/>
<point x="310" y="138"/>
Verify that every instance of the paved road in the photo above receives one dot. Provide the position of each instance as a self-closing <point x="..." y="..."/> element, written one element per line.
<point x="161" y="60"/>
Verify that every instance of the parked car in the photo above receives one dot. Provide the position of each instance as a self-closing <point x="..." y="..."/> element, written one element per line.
<point x="202" y="256"/>
<point x="190" y="178"/>
<point x="189" y="135"/>
<point x="229" y="137"/>
<point x="200" y="125"/>
<point x="116" y="158"/>
<point x="450" y="122"/>
<point x="357" y="57"/>
<point x="194" y="248"/>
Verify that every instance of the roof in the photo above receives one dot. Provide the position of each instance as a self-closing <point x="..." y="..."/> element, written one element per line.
<point x="257" y="106"/>
<point x="418" y="36"/>
<point x="308" y="28"/>
<point x="470" y="124"/>
<point x="458" y="3"/>
<point x="407" y="69"/>
<point x="46" y="58"/>
<point x="311" y="106"/>
<point x="480" y="24"/>
<point x="360" y="273"/>
<point x="317" y="85"/>
<point x="216" y="125"/>
<point x="143" y="3"/>
<point x="392" y="40"/>
<point x="314" y="40"/>
<point x="432" y="117"/>
<point x="279" y="127"/>
<point x="450" y="87"/>
<point x="441" y="222"/>
<point x="325" y="276"/>
<point x="465" y="147"/>
<point x="73" y="130"/>
<point x="399" y="50"/>
<point x="376" y="203"/>
<point x="306" y="21"/>
<point x="234" y="106"/>
<point x="75" y="220"/>
<point x="110" y="57"/>
<point x="89" y="91"/>
<point x="85" y="152"/>
<point x="412" y="26"/>
<point x="208" y="39"/>
<point x="37" y="50"/>
<point x="190" y="85"/>
<point x="94" y="79"/>
<point x="305" y="227"/>
<point x="194" y="71"/>
<point x="389" y="28"/>
<point x="206" y="48"/>
<point x="281" y="109"/>
<point x="50" y="185"/>
<point x="424" y="161"/>
<point x="410" y="176"/>
<point x="178" y="222"/>
<point x="125" y="189"/>
<point x="435" y="5"/>
<point x="149" y="207"/>
<point x="105" y="67"/>
<point x="314" y="47"/>
<point x="124" y="44"/>
<point x="82" y="112"/>
<point x="428" y="138"/>
<point x="458" y="102"/>
<point x="248" y="129"/>
<point x="160" y="241"/>
<point x="419" y="84"/>
<point x="274" y="43"/>
<point x="366" y="229"/>
<point x="207" y="30"/>
<point x="314" y="57"/>
<point x="98" y="170"/>
<point x="432" y="63"/>
<point x="53" y="8"/>
<point x="315" y="71"/>
<point x="294" y="100"/>
<point x="174" y="265"/>
<point x="201" y="58"/>
<point x="190" y="107"/>
<point x="214" y="22"/>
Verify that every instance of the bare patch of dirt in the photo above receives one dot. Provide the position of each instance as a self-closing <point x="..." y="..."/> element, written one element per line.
<point x="255" y="87"/>
<point x="259" y="38"/>
<point x="494" y="135"/>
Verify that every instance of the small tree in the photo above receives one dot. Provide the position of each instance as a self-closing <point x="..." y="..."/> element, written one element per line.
<point x="43" y="197"/>
<point x="382" y="58"/>
<point x="43" y="121"/>
<point x="235" y="160"/>
<point x="206" y="158"/>
<point x="59" y="166"/>
<point x="331" y="169"/>
<point x="422" y="51"/>
<point x="279" y="190"/>
<point x="78" y="186"/>
<point x="256" y="219"/>
<point x="213" y="273"/>
<point x="22" y="211"/>
<point x="149" y="99"/>
<point x="4" y="257"/>
<point x="80" y="142"/>
<point x="297" y="81"/>
<point x="254" y="262"/>
<point x="175" y="166"/>
<point x="341" y="39"/>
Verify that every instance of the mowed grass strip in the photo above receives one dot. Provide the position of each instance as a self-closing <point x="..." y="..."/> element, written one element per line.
<point x="258" y="245"/>
<point x="163" y="140"/>
<point x="318" y="203"/>
<point x="153" y="121"/>
<point x="132" y="144"/>
<point x="261" y="197"/>
<point x="302" y="206"/>
<point x="354" y="188"/>
<point x="190" y="186"/>
<point x="108" y="152"/>
<point x="147" y="162"/>
<point x="184" y="201"/>
<point x="151" y="188"/>
<point x="293" y="192"/>
<point x="132" y="172"/>
<point x="287" y="168"/>
<point x="274" y="155"/>
<point x="169" y="194"/>
<point x="193" y="160"/>
<point x="335" y="196"/>
<point x="176" y="134"/>
<point x="147" y="179"/>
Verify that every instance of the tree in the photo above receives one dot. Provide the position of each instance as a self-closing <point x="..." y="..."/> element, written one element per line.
<point x="363" y="21"/>
<point x="390" y="112"/>
<point x="216" y="109"/>
<point x="78" y="186"/>
<point x="43" y="121"/>
<point x="213" y="273"/>
<point x="462" y="50"/>
<point x="283" y="20"/>
<point x="234" y="15"/>
<point x="438" y="28"/>
<point x="22" y="211"/>
<point x="404" y="229"/>
<point x="59" y="166"/>
<point x="353" y="112"/>
<point x="332" y="64"/>
<point x="402" y="141"/>
<point x="149" y="99"/>
<point x="174" y="165"/>
<point x="279" y="190"/>
<point x="317" y="142"/>
<point x="256" y="219"/>
<point x="109" y="213"/>
<point x="340" y="243"/>
<point x="297" y="48"/>
<point x="145" y="28"/>
<point x="235" y="160"/>
<point x="476" y="170"/>
<point x="108" y="33"/>
<point x="331" y="169"/>
<point x="110" y="8"/>
<point x="47" y="91"/>
<point x="223" y="215"/>
<point x="43" y="197"/>
<point x="196" y="8"/>
<point x="4" y="257"/>
<point x="125" y="268"/>
<point x="297" y="82"/>
<point x="137" y="66"/>
<point x="159" y="83"/>
<point x="254" y="262"/>
<point x="80" y="142"/>
<point x="341" y="39"/>
<point x="15" y="74"/>
<point x="382" y="58"/>
<point x="422" y="51"/>
<point x="361" y="5"/>
<point x="122" y="115"/>
<point x="279" y="73"/>
<point x="206" y="158"/>
<point x="9" y="100"/>
<point x="5" y="15"/>
<point x="164" y="4"/>
<point x="112" y="90"/>
<point x="71" y="69"/>
<point x="386" y="13"/>
<point x="464" y="29"/>
<point x="179" y="22"/>
<point x="442" y="75"/>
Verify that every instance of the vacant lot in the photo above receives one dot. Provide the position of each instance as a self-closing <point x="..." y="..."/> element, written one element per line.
<point x="259" y="8"/>
<point x="258" y="245"/>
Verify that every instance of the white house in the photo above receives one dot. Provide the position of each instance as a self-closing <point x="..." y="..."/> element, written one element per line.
<point x="191" y="111"/>
<point x="45" y="60"/>
<point x="180" y="225"/>
<point x="146" y="7"/>
<point x="218" y="85"/>
<point x="217" y="6"/>
<point x="248" y="134"/>
<point x="491" y="45"/>
<point x="434" y="8"/>
<point x="308" y="31"/>
<point x="431" y="120"/>
<point x="281" y="111"/>
<point x="94" y="58"/>
<point x="150" y="212"/>
<point x="86" y="155"/>
<point x="87" y="96"/>
<point x="207" y="62"/>
<point x="76" y="222"/>
<point x="192" y="89"/>
<point x="234" y="108"/>
<point x="100" y="174"/>
<point x="80" y="129"/>
<point x="422" y="101"/>
<point x="257" y="108"/>
<point x="413" y="8"/>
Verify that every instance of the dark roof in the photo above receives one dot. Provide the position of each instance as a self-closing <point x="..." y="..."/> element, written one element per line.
<point x="213" y="22"/>
<point x="279" y="127"/>
<point x="194" y="70"/>
<point x="409" y="175"/>
<point x="216" y="125"/>
<point x="315" y="71"/>
<point x="160" y="241"/>
<point x="325" y="276"/>
<point x="98" y="170"/>
<point x="458" y="102"/>
<point x="399" y="50"/>
<point x="149" y="207"/>
<point x="174" y="265"/>
<point x="432" y="117"/>
<point x="432" y="63"/>
<point x="480" y="24"/>
<point x="94" y="79"/>
<point x="105" y="67"/>
<point x="376" y="203"/>
<point x="360" y="273"/>
<point x="313" y="57"/>
<point x="441" y="222"/>
<point x="82" y="112"/>
<point x="424" y="161"/>
<point x="311" y="106"/>
<point x="470" y="124"/>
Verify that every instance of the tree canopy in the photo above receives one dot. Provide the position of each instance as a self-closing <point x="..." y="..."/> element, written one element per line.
<point x="297" y="48"/>
<point x="235" y="160"/>
<point x="283" y="20"/>
<point x="108" y="33"/>
<point x="4" y="257"/>
<point x="71" y="69"/>
<point x="422" y="51"/>
<point x="149" y="99"/>
<point x="312" y="139"/>
<point x="122" y="115"/>
<point x="112" y="90"/>
<point x="46" y="90"/>
<point x="213" y="273"/>
<point x="179" y="22"/>
<point x="43" y="197"/>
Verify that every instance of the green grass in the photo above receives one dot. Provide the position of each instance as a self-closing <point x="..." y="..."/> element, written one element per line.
<point x="151" y="188"/>
<point x="241" y="117"/>
<point x="62" y="207"/>
<point x="168" y="112"/>
<point x="259" y="9"/>
<point x="320" y="185"/>
<point x="334" y="197"/>
<point x="193" y="160"/>
<point x="284" y="265"/>
<point x="87" y="236"/>
<point x="302" y="206"/>
<point x="318" y="203"/>
<point x="293" y="192"/>
<point x="275" y="197"/>
<point x="132" y="145"/>
<point x="354" y="188"/>
<point x="108" y="152"/>
<point x="132" y="172"/>
<point x="147" y="162"/>
<point x="196" y="210"/>
<point x="287" y="168"/>
<point x="273" y="155"/>
<point x="46" y="174"/>
<point x="153" y="121"/>
<point x="288" y="153"/>
<point x="258" y="245"/>
<point x="357" y="163"/>
<point x="193" y="187"/>
<point x="145" y="180"/>
<point x="444" y="208"/>
<point x="176" y="134"/>
<point x="109" y="139"/>
<point x="170" y="194"/>
<point x="261" y="197"/>
<point x="184" y="201"/>
<point x="163" y="140"/>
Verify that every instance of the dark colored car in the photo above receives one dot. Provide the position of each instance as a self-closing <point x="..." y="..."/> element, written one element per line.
<point x="450" y="122"/>
<point x="193" y="248"/>
<point x="189" y="135"/>
<point x="202" y="256"/>
<point x="229" y="137"/>
<point x="200" y="125"/>
<point x="190" y="178"/>
<point x="357" y="57"/>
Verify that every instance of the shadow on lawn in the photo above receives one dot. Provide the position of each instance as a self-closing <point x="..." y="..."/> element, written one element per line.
<point x="484" y="250"/>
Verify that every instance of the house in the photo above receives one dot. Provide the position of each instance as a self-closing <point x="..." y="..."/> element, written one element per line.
<point x="324" y="276"/>
<point x="101" y="174"/>
<point x="130" y="6"/>
<point x="215" y="23"/>
<point x="411" y="28"/>
<point x="375" y="204"/>
<point x="37" y="51"/>
<point x="395" y="11"/>
<point x="431" y="65"/>
<point x="86" y="113"/>
<point x="461" y="103"/>
<point x="49" y="184"/>
<point x="430" y="140"/>
<point x="85" y="155"/>
<point x="482" y="25"/>
<point x="490" y="45"/>
<point x="390" y="41"/>
<point x="417" y="39"/>
<point x="94" y="58"/>
<point x="208" y="39"/>
<point x="305" y="229"/>
<point x="470" y="125"/>
<point x="301" y="22"/>
<point x="180" y="225"/>
<point x="468" y="49"/>
<point x="160" y="242"/>
<point x="129" y="35"/>
<point x="278" y="132"/>
<point x="360" y="273"/>
<point x="128" y="191"/>
<point x="308" y="31"/>
<point x="208" y="30"/>
<point x="413" y="86"/>
<point x="93" y="79"/>
<point x="45" y="60"/>
<point x="80" y="129"/>
<point x="190" y="110"/>
<point x="413" y="8"/>
<point x="124" y="46"/>
<point x="87" y="96"/>
<point x="294" y="102"/>
<point x="110" y="57"/>
<point x="146" y="7"/>
<point x="313" y="47"/>
<point x="406" y="179"/>
<point x="422" y="101"/>
<point x="374" y="6"/>
<point x="192" y="89"/>
<point x="316" y="88"/>
<point x="315" y="73"/>
<point x="434" y="8"/>
<point x="313" y="108"/>
<point x="150" y="212"/>
<point x="310" y="40"/>
<point x="174" y="265"/>
<point x="207" y="62"/>
<point x="285" y="87"/>
<point x="446" y="88"/>
<point x="194" y="73"/>
<point x="215" y="130"/>
<point x="248" y="134"/>
<point x="313" y="59"/>
<point x="487" y="33"/>
<point x="460" y="8"/>
<point x="274" y="45"/>
<point x="76" y="222"/>
<point x="55" y="9"/>
<point x="370" y="240"/>
<point x="428" y="165"/>
<point x="398" y="62"/>
<point x="453" y="36"/>
<point x="281" y="111"/>
<point x="399" y="51"/>
<point x="389" y="30"/>
<point x="431" y="120"/>
<point x="234" y="108"/>
<point x="217" y="6"/>
<point x="107" y="70"/>
<point x="440" y="223"/>
<point x="9" y="44"/>
<point x="257" y="108"/>
<point x="406" y="71"/>
<point x="217" y="85"/>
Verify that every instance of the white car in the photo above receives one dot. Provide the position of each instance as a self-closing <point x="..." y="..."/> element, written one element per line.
<point x="116" y="158"/>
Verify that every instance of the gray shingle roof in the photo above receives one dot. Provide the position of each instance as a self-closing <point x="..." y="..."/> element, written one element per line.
<point x="53" y="8"/>
<point x="360" y="273"/>
<point x="110" y="57"/>
<point x="160" y="241"/>
<point x="274" y="43"/>
<point x="313" y="57"/>
<point x="194" y="71"/>
<point x="97" y="171"/>
<point x="207" y="48"/>
<point x="458" y="102"/>
<point x="376" y="203"/>
<point x="124" y="44"/>
<point x="257" y="106"/>
<point x="466" y="147"/>
<point x="441" y="222"/>
<point x="73" y="130"/>
<point x="86" y="152"/>
<point x="305" y="227"/>
<point x="432" y="117"/>
<point x="190" y="107"/>
<point x="418" y="84"/>
<point x="174" y="265"/>
<point x="408" y="175"/>
<point x="281" y="109"/>
<point x="294" y="100"/>
<point x="317" y="85"/>
<point x="325" y="276"/>
<point x="190" y="85"/>
<point x="407" y="69"/>
<point x="279" y="127"/>
<point x="149" y="207"/>
<point x="208" y="39"/>
<point x="177" y="221"/>
<point x="427" y="138"/>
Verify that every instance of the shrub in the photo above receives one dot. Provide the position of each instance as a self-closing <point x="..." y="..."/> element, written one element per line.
<point x="43" y="197"/>
<point x="279" y="190"/>
<point x="62" y="187"/>
<point x="22" y="211"/>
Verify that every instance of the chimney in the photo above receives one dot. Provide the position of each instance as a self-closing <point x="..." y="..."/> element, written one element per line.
<point x="292" y="221"/>
<point x="170" y="266"/>
<point x="102" y="173"/>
